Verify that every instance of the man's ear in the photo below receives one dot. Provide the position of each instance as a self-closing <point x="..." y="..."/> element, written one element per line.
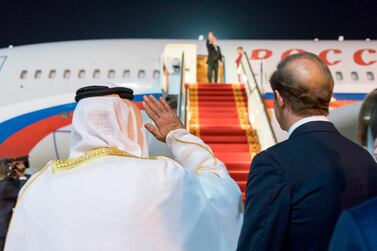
<point x="279" y="99"/>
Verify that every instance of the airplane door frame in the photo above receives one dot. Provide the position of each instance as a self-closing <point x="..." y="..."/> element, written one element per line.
<point x="2" y="61"/>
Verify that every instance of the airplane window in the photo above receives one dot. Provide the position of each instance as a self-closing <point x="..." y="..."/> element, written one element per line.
<point x="370" y="76"/>
<point x="38" y="74"/>
<point x="338" y="76"/>
<point x="67" y="74"/>
<point x="156" y="74"/>
<point x="126" y="74"/>
<point x="111" y="74"/>
<point x="81" y="74"/>
<point x="354" y="76"/>
<point x="96" y="74"/>
<point x="23" y="74"/>
<point x="141" y="74"/>
<point x="52" y="74"/>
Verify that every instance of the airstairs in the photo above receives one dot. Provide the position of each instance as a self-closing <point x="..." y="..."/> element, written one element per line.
<point x="219" y="116"/>
<point x="231" y="118"/>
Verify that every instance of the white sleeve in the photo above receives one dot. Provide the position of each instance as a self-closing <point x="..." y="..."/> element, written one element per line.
<point x="223" y="196"/>
<point x="194" y="154"/>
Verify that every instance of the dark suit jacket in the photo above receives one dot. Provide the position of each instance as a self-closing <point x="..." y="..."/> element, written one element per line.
<point x="356" y="229"/>
<point x="214" y="56"/>
<point x="297" y="189"/>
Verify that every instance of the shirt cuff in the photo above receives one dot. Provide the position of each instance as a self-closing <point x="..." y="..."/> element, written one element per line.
<point x="177" y="133"/>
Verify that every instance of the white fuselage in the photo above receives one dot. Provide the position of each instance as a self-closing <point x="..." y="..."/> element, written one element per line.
<point x="38" y="81"/>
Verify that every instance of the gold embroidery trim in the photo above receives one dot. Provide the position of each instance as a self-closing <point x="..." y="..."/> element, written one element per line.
<point x="62" y="165"/>
<point x="252" y="140"/>
<point x="200" y="168"/>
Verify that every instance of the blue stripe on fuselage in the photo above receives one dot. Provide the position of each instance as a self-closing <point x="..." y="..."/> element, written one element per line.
<point x="338" y="96"/>
<point x="11" y="126"/>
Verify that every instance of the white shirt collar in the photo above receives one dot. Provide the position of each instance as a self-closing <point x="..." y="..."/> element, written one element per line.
<point x="306" y="120"/>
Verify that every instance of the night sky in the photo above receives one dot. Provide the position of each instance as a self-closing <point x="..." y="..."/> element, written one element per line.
<point x="34" y="21"/>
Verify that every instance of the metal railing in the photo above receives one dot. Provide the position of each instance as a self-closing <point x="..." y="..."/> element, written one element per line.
<point x="182" y="98"/>
<point x="224" y="70"/>
<point x="258" y="114"/>
<point x="2" y="61"/>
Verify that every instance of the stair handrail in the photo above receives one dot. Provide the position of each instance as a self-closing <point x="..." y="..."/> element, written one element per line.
<point x="181" y="105"/>
<point x="251" y="70"/>
<point x="224" y="71"/>
<point x="254" y="93"/>
<point x="2" y="61"/>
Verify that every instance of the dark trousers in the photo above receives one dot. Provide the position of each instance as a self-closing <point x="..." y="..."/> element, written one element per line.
<point x="213" y="67"/>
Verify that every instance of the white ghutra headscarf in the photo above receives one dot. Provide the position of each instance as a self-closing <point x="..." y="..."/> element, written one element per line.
<point x="107" y="121"/>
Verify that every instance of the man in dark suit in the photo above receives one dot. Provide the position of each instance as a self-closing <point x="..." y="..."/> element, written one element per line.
<point x="12" y="178"/>
<point x="214" y="56"/>
<point x="297" y="188"/>
<point x="8" y="197"/>
<point x="357" y="227"/>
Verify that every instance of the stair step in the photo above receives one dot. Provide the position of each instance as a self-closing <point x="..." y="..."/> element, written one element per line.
<point x="216" y="103"/>
<point x="225" y="123"/>
<point x="236" y="159"/>
<point x="209" y="88"/>
<point x="210" y="123"/>
<point x="213" y="112"/>
<point x="216" y="98"/>
<point x="208" y="109"/>
<point x="220" y="148"/>
<point x="239" y="164"/>
<point x="217" y="115"/>
<point x="217" y="86"/>
<point x="214" y="108"/>
<point x="218" y="93"/>
<point x="242" y="185"/>
<point x="213" y="103"/>
<point x="239" y="175"/>
<point x="220" y="131"/>
<point x="224" y="139"/>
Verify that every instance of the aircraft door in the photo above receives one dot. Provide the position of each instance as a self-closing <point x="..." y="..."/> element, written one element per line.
<point x="202" y="69"/>
<point x="2" y="61"/>
<point x="178" y="61"/>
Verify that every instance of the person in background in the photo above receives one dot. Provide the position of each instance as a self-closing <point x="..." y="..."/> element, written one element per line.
<point x="214" y="57"/>
<point x="297" y="189"/>
<point x="238" y="63"/>
<point x="111" y="195"/>
<point x="12" y="178"/>
<point x="357" y="227"/>
<point x="365" y="125"/>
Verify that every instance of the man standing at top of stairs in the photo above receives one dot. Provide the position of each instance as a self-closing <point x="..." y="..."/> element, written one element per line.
<point x="214" y="56"/>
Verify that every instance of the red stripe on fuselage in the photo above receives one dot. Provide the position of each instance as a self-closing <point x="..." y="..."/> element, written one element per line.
<point x="23" y="141"/>
<point x="333" y="104"/>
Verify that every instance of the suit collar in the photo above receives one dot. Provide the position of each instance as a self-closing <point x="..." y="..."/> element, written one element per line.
<point x="314" y="126"/>
<point x="306" y="120"/>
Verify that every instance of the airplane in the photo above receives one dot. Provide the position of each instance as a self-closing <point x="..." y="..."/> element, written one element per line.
<point x="38" y="81"/>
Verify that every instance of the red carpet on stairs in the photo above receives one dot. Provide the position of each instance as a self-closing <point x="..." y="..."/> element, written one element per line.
<point x="218" y="114"/>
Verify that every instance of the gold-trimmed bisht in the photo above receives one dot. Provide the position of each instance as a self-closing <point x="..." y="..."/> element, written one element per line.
<point x="62" y="165"/>
<point x="201" y="168"/>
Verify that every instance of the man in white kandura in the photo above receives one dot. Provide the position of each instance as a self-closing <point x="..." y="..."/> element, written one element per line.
<point x="111" y="196"/>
